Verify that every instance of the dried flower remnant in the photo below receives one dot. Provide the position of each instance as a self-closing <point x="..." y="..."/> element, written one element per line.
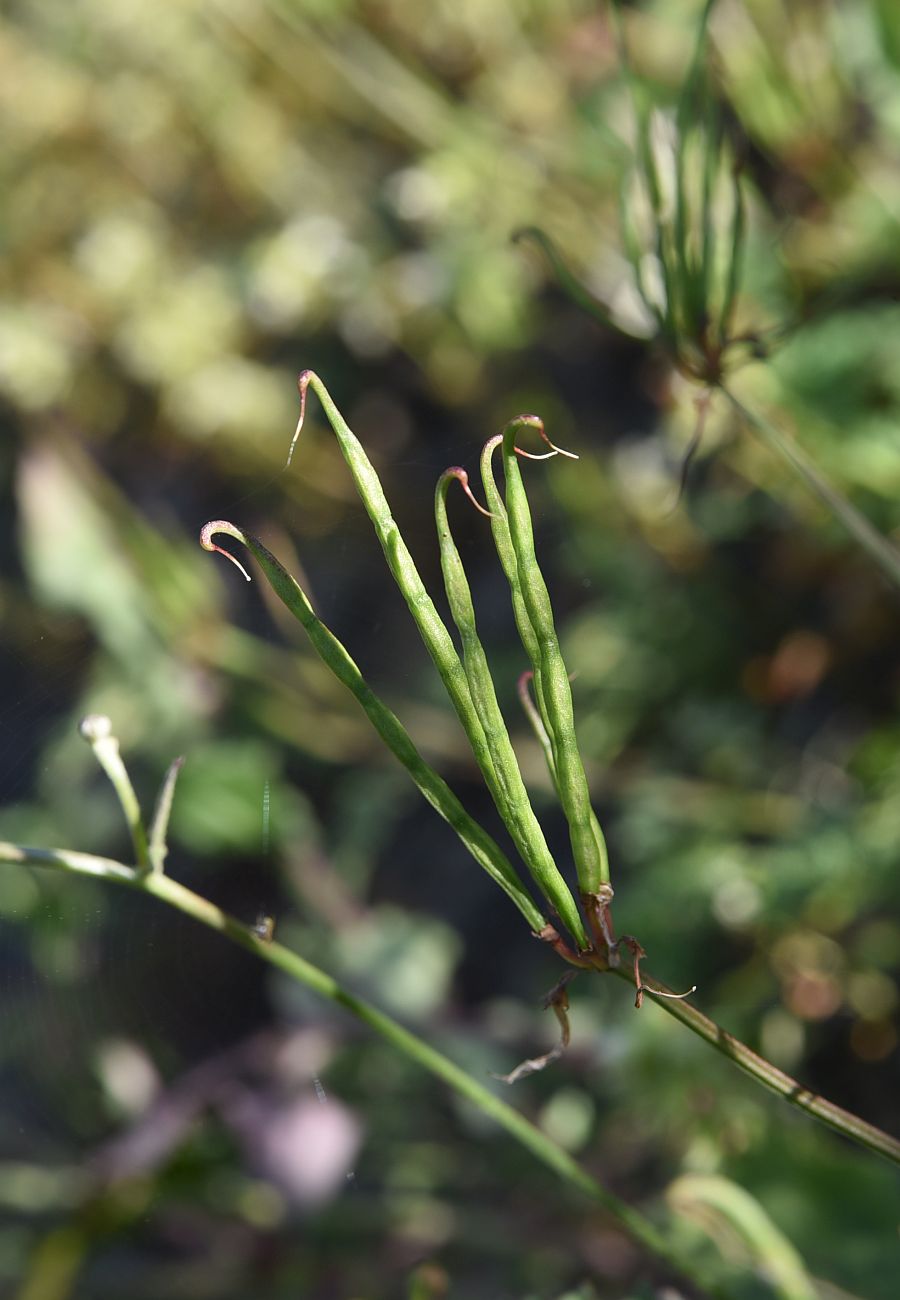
<point x="557" y="1000"/>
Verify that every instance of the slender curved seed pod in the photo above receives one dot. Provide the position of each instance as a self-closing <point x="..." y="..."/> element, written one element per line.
<point x="437" y="639"/>
<point x="507" y="556"/>
<point x="506" y="551"/>
<point x="504" y="546"/>
<point x="482" y="847"/>
<point x="589" y="851"/>
<point x="509" y="791"/>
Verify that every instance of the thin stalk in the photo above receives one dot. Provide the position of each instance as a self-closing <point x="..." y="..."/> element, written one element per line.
<point x="835" y="1117"/>
<point x="510" y="794"/>
<point x="589" y="853"/>
<point x="96" y="730"/>
<point x="70" y="861"/>
<point x="335" y="656"/>
<point x="886" y="556"/>
<point x="528" y="1135"/>
<point x="159" y="827"/>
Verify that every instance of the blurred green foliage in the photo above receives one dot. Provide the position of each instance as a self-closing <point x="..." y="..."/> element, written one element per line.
<point x="204" y="196"/>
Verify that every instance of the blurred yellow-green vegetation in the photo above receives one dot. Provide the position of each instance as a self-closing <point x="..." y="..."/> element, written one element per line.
<point x="201" y="198"/>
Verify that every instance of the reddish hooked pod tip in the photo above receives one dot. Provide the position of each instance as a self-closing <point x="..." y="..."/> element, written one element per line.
<point x="208" y="532"/>
<point x="535" y="422"/>
<point x="462" y="478"/>
<point x="303" y="382"/>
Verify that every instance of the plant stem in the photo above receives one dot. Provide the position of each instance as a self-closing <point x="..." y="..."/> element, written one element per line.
<point x="159" y="826"/>
<point x="835" y="1117"/>
<point x="96" y="730"/>
<point x="842" y="1121"/>
<point x="79" y="864"/>
<point x="292" y="964"/>
<point x="885" y="555"/>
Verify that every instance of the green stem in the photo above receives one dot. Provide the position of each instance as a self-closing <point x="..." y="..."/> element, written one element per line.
<point x="159" y="826"/>
<point x="79" y="864"/>
<point x="886" y="556"/>
<point x="96" y="730"/>
<point x="163" y="887"/>
<point x="296" y="967"/>
<point x="842" y="1121"/>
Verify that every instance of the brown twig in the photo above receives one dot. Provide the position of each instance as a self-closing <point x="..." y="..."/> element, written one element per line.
<point x="558" y="1001"/>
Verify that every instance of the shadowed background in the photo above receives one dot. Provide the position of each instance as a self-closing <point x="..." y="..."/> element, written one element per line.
<point x="203" y="198"/>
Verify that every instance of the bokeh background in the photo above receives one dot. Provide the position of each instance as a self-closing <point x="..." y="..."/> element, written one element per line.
<point x="202" y="197"/>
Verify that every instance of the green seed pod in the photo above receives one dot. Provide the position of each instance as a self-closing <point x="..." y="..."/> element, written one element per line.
<point x="508" y="788"/>
<point x="333" y="653"/>
<point x="588" y="850"/>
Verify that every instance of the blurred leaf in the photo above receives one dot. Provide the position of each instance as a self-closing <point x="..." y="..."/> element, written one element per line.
<point x="739" y="1225"/>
